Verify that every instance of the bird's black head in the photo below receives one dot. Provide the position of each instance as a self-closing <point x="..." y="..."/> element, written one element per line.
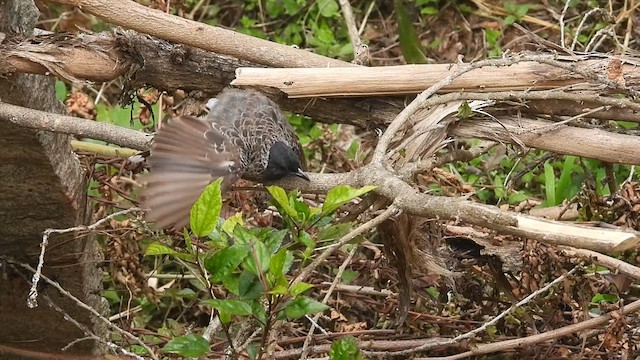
<point x="283" y="161"/>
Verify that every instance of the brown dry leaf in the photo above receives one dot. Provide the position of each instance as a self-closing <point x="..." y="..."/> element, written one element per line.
<point x="336" y="315"/>
<point x="615" y="332"/>
<point x="353" y="327"/>
<point x="80" y="105"/>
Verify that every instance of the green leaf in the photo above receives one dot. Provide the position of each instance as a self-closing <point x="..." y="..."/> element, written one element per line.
<point x="249" y="286"/>
<point x="279" y="289"/>
<point x="242" y="236"/>
<point x="410" y="43"/>
<point x="225" y="261"/>
<point x="281" y="198"/>
<point x="277" y="262"/>
<point x="190" y="345"/>
<point x="328" y="8"/>
<point x="258" y="260"/>
<point x="345" y="348"/>
<point x="299" y="288"/>
<point x="464" y="110"/>
<point x="230" y="224"/>
<point x="206" y="211"/>
<point x="306" y="239"/>
<point x="335" y="231"/>
<point x="61" y="90"/>
<point x="187" y="240"/>
<point x="549" y="184"/>
<point x="563" y="187"/>
<point x="600" y="298"/>
<point x="259" y="312"/>
<point x="229" y="307"/>
<point x="341" y="195"/>
<point x="160" y="249"/>
<point x="273" y="239"/>
<point x="303" y="305"/>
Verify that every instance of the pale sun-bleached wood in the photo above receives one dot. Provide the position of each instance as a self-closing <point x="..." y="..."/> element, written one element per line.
<point x="412" y="79"/>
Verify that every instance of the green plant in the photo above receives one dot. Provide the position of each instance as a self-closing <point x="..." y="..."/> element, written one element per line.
<point x="516" y="12"/>
<point x="252" y="264"/>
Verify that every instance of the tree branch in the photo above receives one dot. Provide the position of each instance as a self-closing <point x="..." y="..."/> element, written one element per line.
<point x="132" y="15"/>
<point x="75" y="126"/>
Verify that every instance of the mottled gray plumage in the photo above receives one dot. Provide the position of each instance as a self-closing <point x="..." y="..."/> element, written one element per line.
<point x="245" y="136"/>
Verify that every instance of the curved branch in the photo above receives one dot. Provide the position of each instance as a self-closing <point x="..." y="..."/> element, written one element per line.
<point x="132" y="15"/>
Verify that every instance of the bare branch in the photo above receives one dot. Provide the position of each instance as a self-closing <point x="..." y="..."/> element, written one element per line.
<point x="132" y="15"/>
<point x="42" y="120"/>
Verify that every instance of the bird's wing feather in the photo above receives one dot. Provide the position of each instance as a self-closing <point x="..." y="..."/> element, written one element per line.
<point x="187" y="154"/>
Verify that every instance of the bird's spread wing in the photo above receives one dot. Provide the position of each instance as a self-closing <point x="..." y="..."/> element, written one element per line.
<point x="187" y="154"/>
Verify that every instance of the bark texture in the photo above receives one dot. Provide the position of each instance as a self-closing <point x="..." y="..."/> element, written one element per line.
<point x="43" y="186"/>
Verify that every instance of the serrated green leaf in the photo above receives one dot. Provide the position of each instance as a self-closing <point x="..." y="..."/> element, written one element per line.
<point x="242" y="236"/>
<point x="345" y="348"/>
<point x="249" y="286"/>
<point x="190" y="345"/>
<point x="277" y="262"/>
<point x="229" y="306"/>
<point x="273" y="239"/>
<point x="281" y="198"/>
<point x="206" y="211"/>
<point x="303" y="305"/>
<point x="299" y="288"/>
<point x="410" y="43"/>
<point x="341" y="195"/>
<point x="230" y="223"/>
<point x="279" y="289"/>
<point x="226" y="261"/>
<point x="258" y="259"/>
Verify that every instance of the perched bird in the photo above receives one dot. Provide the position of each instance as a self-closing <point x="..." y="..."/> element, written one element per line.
<point x="245" y="135"/>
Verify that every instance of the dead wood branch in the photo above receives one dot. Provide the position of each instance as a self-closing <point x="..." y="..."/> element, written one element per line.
<point x="562" y="139"/>
<point x="132" y="15"/>
<point x="529" y="74"/>
<point x="389" y="185"/>
<point x="42" y="120"/>
<point x="480" y="349"/>
<point x="149" y="61"/>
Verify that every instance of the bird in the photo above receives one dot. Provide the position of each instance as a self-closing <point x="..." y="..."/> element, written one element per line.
<point x="245" y="135"/>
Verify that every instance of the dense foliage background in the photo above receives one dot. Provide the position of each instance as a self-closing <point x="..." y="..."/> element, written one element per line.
<point x="161" y="286"/>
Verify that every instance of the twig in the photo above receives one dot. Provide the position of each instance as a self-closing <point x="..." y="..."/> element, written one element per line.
<point x="482" y="328"/>
<point x="32" y="299"/>
<point x="581" y="25"/>
<point x="347" y="13"/>
<point x="480" y="349"/>
<point x="420" y="101"/>
<point x="390" y="211"/>
<point x="88" y="308"/>
<point x="564" y="13"/>
<point x="89" y="334"/>
<point x="604" y="260"/>
<point x="327" y="296"/>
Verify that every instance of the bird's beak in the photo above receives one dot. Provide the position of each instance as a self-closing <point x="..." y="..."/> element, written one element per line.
<point x="301" y="174"/>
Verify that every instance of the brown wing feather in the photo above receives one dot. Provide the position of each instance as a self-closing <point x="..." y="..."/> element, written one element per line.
<point x="187" y="154"/>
